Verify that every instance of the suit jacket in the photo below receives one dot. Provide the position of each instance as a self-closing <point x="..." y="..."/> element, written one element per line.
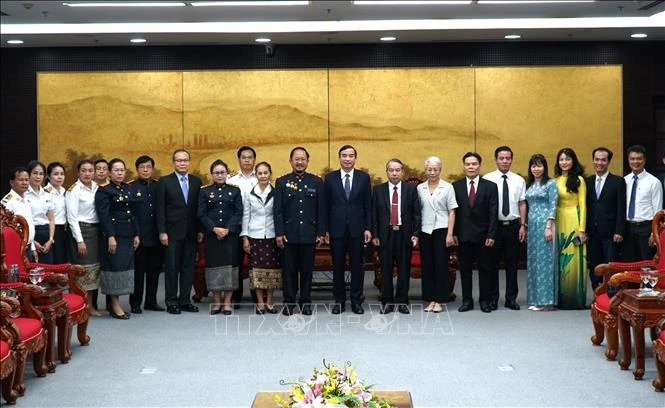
<point x="175" y="217"/>
<point x="480" y="222"/>
<point x="409" y="208"/>
<point x="296" y="208"/>
<point x="356" y="211"/>
<point x="606" y="215"/>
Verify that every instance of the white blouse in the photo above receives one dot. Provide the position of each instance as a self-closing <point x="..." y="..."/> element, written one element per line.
<point x="80" y="203"/>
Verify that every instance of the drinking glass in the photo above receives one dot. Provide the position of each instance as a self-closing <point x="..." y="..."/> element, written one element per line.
<point x="653" y="281"/>
<point x="33" y="276"/>
<point x="644" y="276"/>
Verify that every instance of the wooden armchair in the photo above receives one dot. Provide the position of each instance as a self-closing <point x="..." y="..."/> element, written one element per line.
<point x="623" y="275"/>
<point x="659" y="355"/>
<point x="8" y="338"/>
<point x="70" y="312"/>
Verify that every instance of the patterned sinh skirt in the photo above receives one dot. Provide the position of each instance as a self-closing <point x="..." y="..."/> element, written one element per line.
<point x="221" y="262"/>
<point x="117" y="269"/>
<point x="265" y="264"/>
<point x="89" y="262"/>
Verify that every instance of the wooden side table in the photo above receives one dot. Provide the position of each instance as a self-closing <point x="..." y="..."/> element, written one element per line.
<point x="56" y="311"/>
<point x="638" y="312"/>
<point x="397" y="399"/>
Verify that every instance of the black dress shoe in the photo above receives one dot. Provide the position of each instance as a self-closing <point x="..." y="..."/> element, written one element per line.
<point x="215" y="311"/>
<point x="271" y="310"/>
<point x="137" y="309"/>
<point x="173" y="309"/>
<point x="155" y="307"/>
<point x="124" y="316"/>
<point x="287" y="310"/>
<point x="486" y="308"/>
<point x="403" y="309"/>
<point x="306" y="309"/>
<point x="494" y="304"/>
<point x="189" y="308"/>
<point x="259" y="311"/>
<point x="357" y="308"/>
<point x="466" y="306"/>
<point x="338" y="308"/>
<point x="388" y="308"/>
<point x="511" y="304"/>
<point x="227" y="312"/>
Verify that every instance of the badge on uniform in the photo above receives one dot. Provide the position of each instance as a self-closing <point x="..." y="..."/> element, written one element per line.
<point x="138" y="193"/>
<point x="311" y="190"/>
<point x="120" y="198"/>
<point x="212" y="195"/>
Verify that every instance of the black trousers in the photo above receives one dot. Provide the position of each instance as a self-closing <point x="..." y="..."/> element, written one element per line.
<point x="507" y="247"/>
<point x="41" y="236"/>
<point x="636" y="243"/>
<point x="397" y="249"/>
<point x="298" y="266"/>
<point x="483" y="256"/>
<point x="180" y="258"/>
<point x="61" y="247"/>
<point x="339" y="248"/>
<point x="434" y="260"/>
<point x="600" y="250"/>
<point x="147" y="266"/>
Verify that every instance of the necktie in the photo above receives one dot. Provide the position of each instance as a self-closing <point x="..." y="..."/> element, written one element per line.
<point x="505" y="202"/>
<point x="599" y="180"/>
<point x="185" y="187"/>
<point x="394" y="208"/>
<point x="631" y="204"/>
<point x="472" y="194"/>
<point x="347" y="186"/>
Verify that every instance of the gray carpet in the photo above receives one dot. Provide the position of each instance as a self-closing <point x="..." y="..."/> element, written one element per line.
<point x="503" y="359"/>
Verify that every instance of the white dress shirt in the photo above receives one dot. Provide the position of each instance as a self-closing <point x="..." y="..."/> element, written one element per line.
<point x="648" y="198"/>
<point x="391" y="188"/>
<point x="475" y="184"/>
<point x="343" y="177"/>
<point x="80" y="202"/>
<point x="257" y="217"/>
<point x="603" y="179"/>
<point x="516" y="192"/>
<point x="244" y="183"/>
<point x="435" y="207"/>
<point x="19" y="206"/>
<point x="41" y="202"/>
<point x="59" y="208"/>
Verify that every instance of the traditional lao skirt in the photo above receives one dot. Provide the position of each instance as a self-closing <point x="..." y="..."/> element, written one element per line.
<point x="222" y="262"/>
<point x="265" y="264"/>
<point x="117" y="269"/>
<point x="89" y="262"/>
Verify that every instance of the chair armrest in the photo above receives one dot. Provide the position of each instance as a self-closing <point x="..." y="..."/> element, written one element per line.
<point x="607" y="270"/>
<point x="623" y="279"/>
<point x="71" y="271"/>
<point x="9" y="307"/>
<point x="27" y="308"/>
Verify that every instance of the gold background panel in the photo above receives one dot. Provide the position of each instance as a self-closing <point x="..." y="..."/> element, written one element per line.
<point x="273" y="111"/>
<point x="114" y="114"/>
<point x="406" y="113"/>
<point x="543" y="109"/>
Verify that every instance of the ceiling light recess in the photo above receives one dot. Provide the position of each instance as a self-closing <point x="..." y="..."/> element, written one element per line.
<point x="388" y="38"/>
<point x="638" y="35"/>
<point x="411" y="2"/>
<point x="532" y="1"/>
<point x="14" y="41"/>
<point x="137" y="40"/>
<point x="263" y="40"/>
<point x="249" y="3"/>
<point x="512" y="36"/>
<point x="126" y="4"/>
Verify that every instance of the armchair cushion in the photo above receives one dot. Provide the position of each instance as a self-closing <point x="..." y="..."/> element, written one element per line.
<point x="662" y="336"/>
<point x="75" y="302"/>
<point x="415" y="259"/>
<point x="603" y="303"/>
<point x="13" y="254"/>
<point x="28" y="328"/>
<point x="4" y="350"/>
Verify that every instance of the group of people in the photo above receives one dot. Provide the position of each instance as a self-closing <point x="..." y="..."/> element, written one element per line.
<point x="124" y="233"/>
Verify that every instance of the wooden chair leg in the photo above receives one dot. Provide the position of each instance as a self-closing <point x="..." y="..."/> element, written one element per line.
<point x="19" y="374"/>
<point x="612" y="337"/>
<point x="598" y="327"/>
<point x="81" y="333"/>
<point x="63" y="339"/>
<point x="8" y="393"/>
<point x="659" y="357"/>
<point x="39" y="362"/>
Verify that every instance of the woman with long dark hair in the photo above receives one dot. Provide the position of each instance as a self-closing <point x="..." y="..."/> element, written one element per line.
<point x="542" y="259"/>
<point x="571" y="225"/>
<point x="41" y="205"/>
<point x="55" y="174"/>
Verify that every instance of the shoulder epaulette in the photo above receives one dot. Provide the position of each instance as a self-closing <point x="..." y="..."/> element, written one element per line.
<point x="207" y="185"/>
<point x="315" y="175"/>
<point x="132" y="181"/>
<point x="71" y="188"/>
<point x="7" y="198"/>
<point x="104" y="184"/>
<point x="154" y="180"/>
<point x="48" y="189"/>
<point x="232" y="184"/>
<point x="235" y="173"/>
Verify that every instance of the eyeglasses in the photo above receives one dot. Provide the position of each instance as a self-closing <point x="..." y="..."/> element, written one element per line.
<point x="218" y="173"/>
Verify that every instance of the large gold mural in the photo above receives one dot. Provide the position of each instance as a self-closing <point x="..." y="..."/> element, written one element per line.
<point x="409" y="113"/>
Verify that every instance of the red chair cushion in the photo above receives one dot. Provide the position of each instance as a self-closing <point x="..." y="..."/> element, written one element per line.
<point x="603" y="303"/>
<point x="27" y="328"/>
<point x="4" y="349"/>
<point x="75" y="302"/>
<point x="662" y="336"/>
<point x="415" y="259"/>
<point x="13" y="253"/>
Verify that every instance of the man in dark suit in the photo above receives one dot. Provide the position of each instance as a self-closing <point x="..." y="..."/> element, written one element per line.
<point x="606" y="213"/>
<point x="475" y="231"/>
<point x="177" y="203"/>
<point x="395" y="228"/>
<point x="347" y="220"/>
<point x="296" y="209"/>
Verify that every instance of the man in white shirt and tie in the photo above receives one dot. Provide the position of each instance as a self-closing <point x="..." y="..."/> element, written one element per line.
<point x="19" y="180"/>
<point x="512" y="226"/>
<point x="606" y="213"/>
<point x="644" y="197"/>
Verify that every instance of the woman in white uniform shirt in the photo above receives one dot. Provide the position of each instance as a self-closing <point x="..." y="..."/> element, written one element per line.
<point x="437" y="204"/>
<point x="55" y="173"/>
<point x="41" y="204"/>
<point x="84" y="226"/>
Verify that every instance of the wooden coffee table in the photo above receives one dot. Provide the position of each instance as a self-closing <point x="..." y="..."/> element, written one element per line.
<point x="638" y="312"/>
<point x="397" y="399"/>
<point x="56" y="311"/>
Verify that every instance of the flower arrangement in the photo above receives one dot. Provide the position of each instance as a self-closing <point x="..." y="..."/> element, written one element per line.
<point x="331" y="387"/>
